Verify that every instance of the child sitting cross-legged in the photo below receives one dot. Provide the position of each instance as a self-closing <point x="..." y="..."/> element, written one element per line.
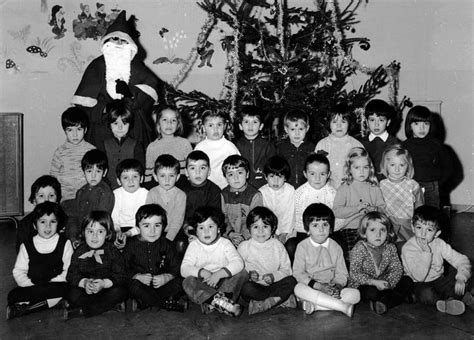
<point x="423" y="258"/>
<point x="270" y="281"/>
<point x="41" y="265"/>
<point x="238" y="198"/>
<point x="97" y="272"/>
<point x="319" y="266"/>
<point x="375" y="267"/>
<point x="212" y="268"/>
<point x="153" y="264"/>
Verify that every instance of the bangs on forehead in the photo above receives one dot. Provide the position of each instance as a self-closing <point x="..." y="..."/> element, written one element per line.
<point x="319" y="218"/>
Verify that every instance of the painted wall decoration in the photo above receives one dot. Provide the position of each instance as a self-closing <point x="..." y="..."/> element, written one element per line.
<point x="170" y="45"/>
<point x="87" y="26"/>
<point x="205" y="54"/>
<point x="41" y="47"/>
<point x="57" y="21"/>
<point x="75" y="61"/>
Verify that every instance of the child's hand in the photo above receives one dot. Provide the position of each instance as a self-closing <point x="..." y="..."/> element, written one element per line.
<point x="159" y="280"/>
<point x="99" y="284"/>
<point x="363" y="206"/>
<point x="335" y="290"/>
<point x="380" y="284"/>
<point x="89" y="286"/>
<point x="371" y="208"/>
<point x="204" y="273"/>
<point x="268" y="278"/>
<point x="283" y="237"/>
<point x="75" y="244"/>
<point x="192" y="238"/>
<point x="459" y="287"/>
<point x="144" y="278"/>
<point x="236" y="238"/>
<point x="425" y="247"/>
<point x="212" y="280"/>
<point x="253" y="275"/>
<point x="120" y="240"/>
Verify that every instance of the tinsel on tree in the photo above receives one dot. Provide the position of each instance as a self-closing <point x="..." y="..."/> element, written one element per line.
<point x="282" y="58"/>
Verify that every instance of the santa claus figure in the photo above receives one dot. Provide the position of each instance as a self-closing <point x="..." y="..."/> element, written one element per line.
<point x="117" y="74"/>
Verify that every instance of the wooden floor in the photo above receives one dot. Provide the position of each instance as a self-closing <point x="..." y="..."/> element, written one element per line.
<point x="406" y="321"/>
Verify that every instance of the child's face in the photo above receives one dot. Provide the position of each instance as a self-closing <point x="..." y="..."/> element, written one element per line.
<point x="236" y="177"/>
<point x="377" y="124"/>
<point x="151" y="228"/>
<point x="420" y="129"/>
<point x="296" y="131"/>
<point x="75" y="134"/>
<point x="130" y="180"/>
<point x="260" y="231"/>
<point x="45" y="194"/>
<point x="119" y="128"/>
<point x="94" y="175"/>
<point x="339" y="126"/>
<point x="319" y="230"/>
<point x="198" y="171"/>
<point x="360" y="169"/>
<point x="376" y="233"/>
<point x="207" y="231"/>
<point x="425" y="231"/>
<point x="397" y="167"/>
<point x="275" y="181"/>
<point x="251" y="126"/>
<point x="166" y="178"/>
<point x="95" y="235"/>
<point x="214" y="128"/>
<point x="46" y="226"/>
<point x="317" y="175"/>
<point x="168" y="123"/>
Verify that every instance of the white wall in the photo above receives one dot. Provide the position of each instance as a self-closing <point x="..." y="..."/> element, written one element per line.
<point x="431" y="39"/>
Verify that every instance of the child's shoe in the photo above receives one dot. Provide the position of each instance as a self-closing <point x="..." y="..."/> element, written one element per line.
<point x="71" y="312"/>
<point x="468" y="299"/>
<point x="289" y="303"/>
<point x="350" y="310"/>
<point x="135" y="307"/>
<point x="121" y="307"/>
<point x="176" y="305"/>
<point x="206" y="308"/>
<point x="261" y="306"/>
<point x="450" y="306"/>
<point x="225" y="305"/>
<point x="16" y="310"/>
<point x="308" y="307"/>
<point x="378" y="307"/>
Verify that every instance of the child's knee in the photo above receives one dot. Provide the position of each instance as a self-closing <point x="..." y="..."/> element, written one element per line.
<point x="427" y="295"/>
<point x="350" y="295"/>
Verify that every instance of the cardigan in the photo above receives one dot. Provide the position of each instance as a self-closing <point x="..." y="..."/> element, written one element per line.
<point x="296" y="156"/>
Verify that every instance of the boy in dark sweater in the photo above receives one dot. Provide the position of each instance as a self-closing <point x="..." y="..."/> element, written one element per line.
<point x="252" y="145"/>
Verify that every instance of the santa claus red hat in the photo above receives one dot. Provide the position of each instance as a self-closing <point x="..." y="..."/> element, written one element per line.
<point x="122" y="29"/>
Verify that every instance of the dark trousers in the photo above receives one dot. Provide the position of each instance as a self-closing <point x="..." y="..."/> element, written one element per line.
<point x="95" y="304"/>
<point x="255" y="291"/>
<point x="390" y="297"/>
<point x="431" y="193"/>
<point x="292" y="243"/>
<point x="149" y="296"/>
<point x="199" y="292"/>
<point x="38" y="293"/>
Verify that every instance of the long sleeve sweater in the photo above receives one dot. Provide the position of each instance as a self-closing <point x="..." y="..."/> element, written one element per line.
<point x="423" y="266"/>
<point x="174" y="202"/>
<point x="43" y="246"/>
<point x="307" y="264"/>
<point x="66" y="167"/>
<point x="212" y="257"/>
<point x="282" y="203"/>
<point x="349" y="196"/>
<point x="363" y="267"/>
<point x="178" y="147"/>
<point x="269" y="257"/>
<point x="126" y="206"/>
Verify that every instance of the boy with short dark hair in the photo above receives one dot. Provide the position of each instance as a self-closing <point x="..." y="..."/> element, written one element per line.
<point x="379" y="115"/>
<point x="153" y="264"/>
<point x="423" y="256"/>
<point x="295" y="148"/>
<point x="66" y="163"/>
<point x="238" y="198"/>
<point x="94" y="195"/>
<point x="252" y="145"/>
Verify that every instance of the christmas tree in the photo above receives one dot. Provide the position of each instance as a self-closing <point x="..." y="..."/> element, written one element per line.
<point x="282" y="58"/>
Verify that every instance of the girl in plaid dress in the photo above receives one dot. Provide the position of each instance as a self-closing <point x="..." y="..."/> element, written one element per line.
<point x="400" y="191"/>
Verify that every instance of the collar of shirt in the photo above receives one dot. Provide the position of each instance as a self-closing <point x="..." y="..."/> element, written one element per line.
<point x="383" y="136"/>
<point x="325" y="244"/>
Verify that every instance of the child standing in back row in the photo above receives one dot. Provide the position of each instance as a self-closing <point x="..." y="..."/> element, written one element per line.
<point x="169" y="126"/>
<point x="296" y="148"/>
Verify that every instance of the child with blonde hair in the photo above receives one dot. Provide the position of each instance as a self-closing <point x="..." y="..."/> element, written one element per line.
<point x="401" y="192"/>
<point x="375" y="266"/>
<point x="358" y="194"/>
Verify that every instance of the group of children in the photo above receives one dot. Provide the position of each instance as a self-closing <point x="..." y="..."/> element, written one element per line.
<point x="248" y="224"/>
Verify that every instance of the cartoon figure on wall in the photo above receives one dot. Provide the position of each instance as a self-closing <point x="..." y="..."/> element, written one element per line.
<point x="57" y="21"/>
<point x="101" y="18"/>
<point x="206" y="53"/>
<point x="108" y="75"/>
<point x="85" y="26"/>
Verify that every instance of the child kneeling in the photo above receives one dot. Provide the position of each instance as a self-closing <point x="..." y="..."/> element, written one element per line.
<point x="267" y="261"/>
<point x="319" y="266"/>
<point x="153" y="263"/>
<point x="97" y="271"/>
<point x="212" y="267"/>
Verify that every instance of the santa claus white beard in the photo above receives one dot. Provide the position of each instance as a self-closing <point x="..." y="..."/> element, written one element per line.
<point x="117" y="66"/>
